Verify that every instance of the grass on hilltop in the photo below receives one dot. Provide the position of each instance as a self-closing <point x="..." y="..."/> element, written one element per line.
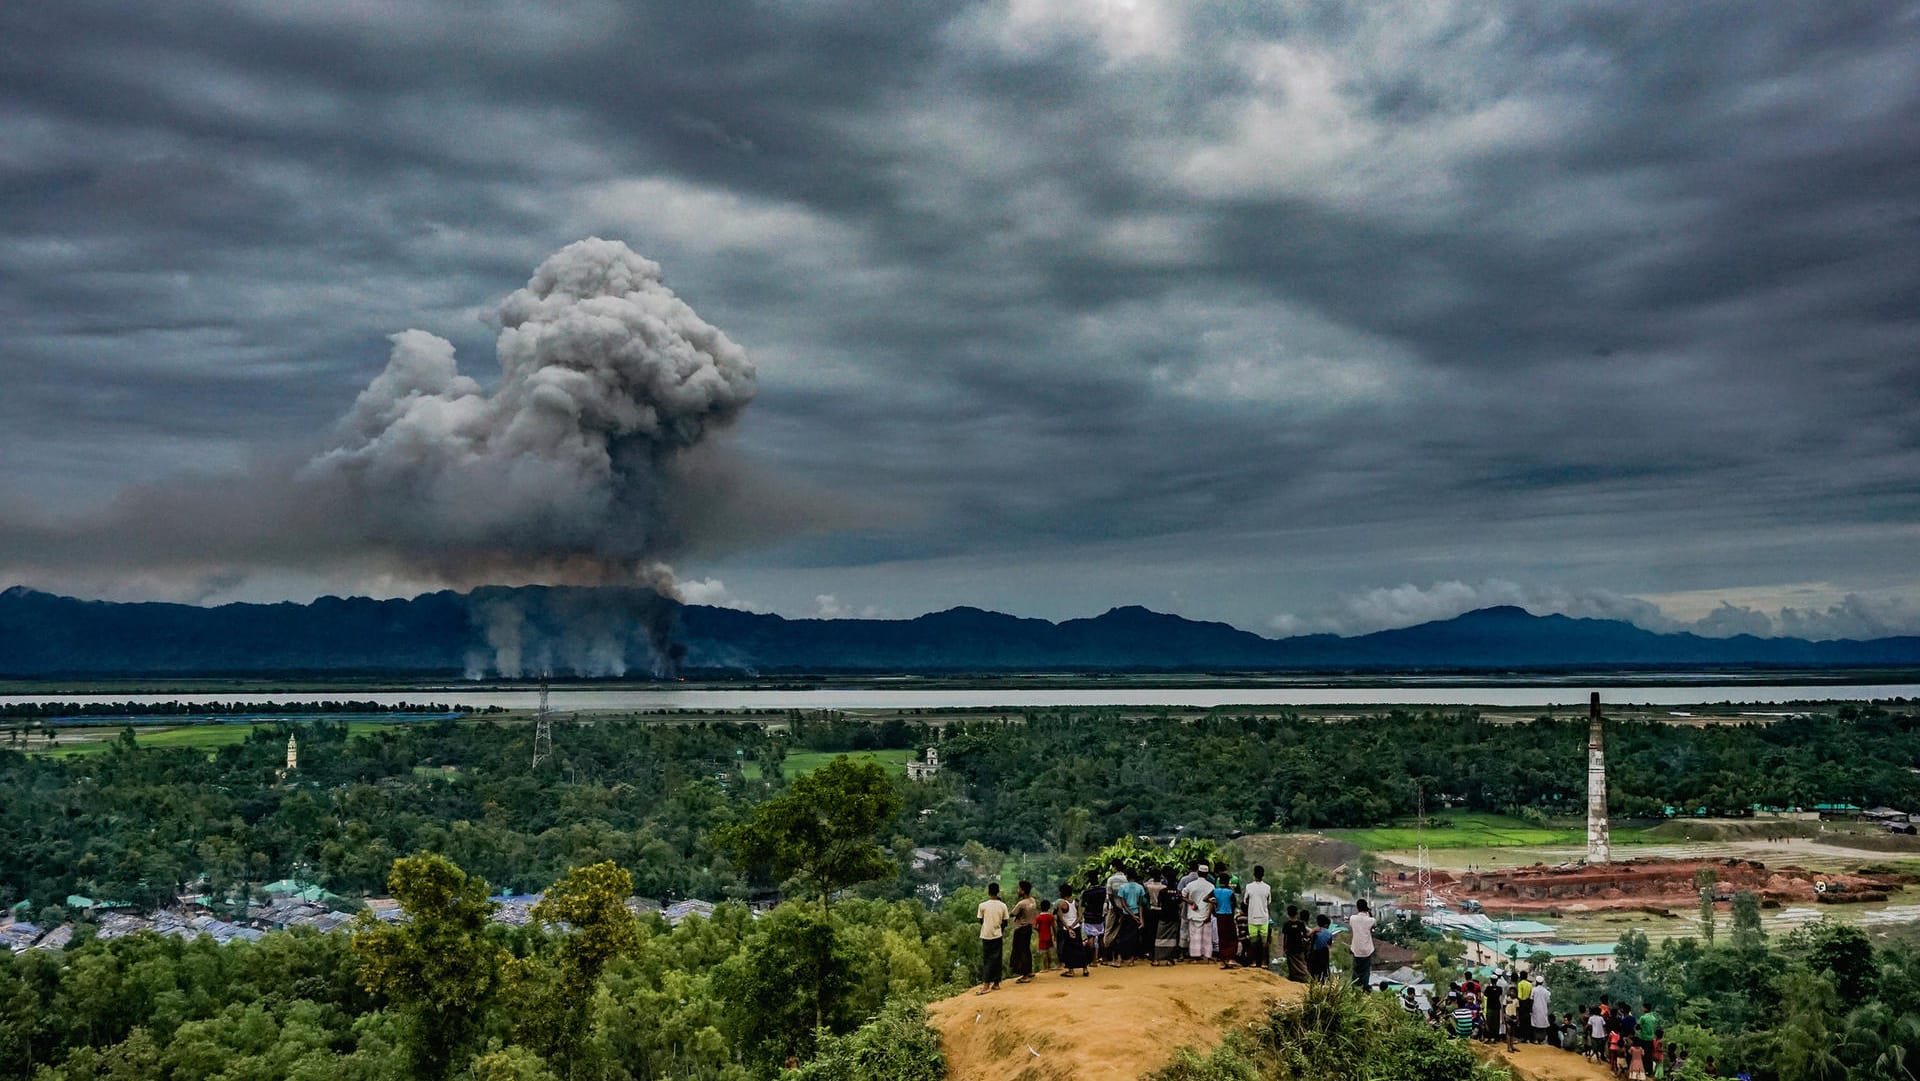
<point x="799" y="762"/>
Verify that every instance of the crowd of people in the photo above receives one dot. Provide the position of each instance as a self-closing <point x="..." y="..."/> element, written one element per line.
<point x="1204" y="917"/>
<point x="1199" y="917"/>
<point x="1514" y="1008"/>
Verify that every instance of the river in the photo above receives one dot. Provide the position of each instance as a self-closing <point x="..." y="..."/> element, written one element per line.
<point x="869" y="698"/>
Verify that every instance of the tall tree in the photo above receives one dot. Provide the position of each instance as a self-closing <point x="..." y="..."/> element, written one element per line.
<point x="791" y="983"/>
<point x="588" y="907"/>
<point x="1704" y="880"/>
<point x="1807" y="1034"/>
<point x="1748" y="934"/>
<point x="1840" y="951"/>
<point x="824" y="829"/>
<point x="439" y="969"/>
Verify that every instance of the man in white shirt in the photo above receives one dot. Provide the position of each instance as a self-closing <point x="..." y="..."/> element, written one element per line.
<point x="1542" y="1002"/>
<point x="1360" y="924"/>
<point x="1199" y="897"/>
<point x="1258" y="902"/>
<point x="992" y="915"/>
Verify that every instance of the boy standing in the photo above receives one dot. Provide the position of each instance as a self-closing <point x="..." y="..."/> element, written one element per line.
<point x="1259" y="905"/>
<point x="992" y="914"/>
<point x="1320" y="950"/>
<point x="1293" y="944"/>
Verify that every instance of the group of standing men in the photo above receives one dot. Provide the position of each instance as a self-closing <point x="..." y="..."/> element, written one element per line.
<point x="1201" y="916"/>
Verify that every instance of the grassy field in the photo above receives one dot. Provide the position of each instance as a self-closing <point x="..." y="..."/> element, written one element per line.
<point x="1477" y="830"/>
<point x="798" y="762"/>
<point x="204" y="736"/>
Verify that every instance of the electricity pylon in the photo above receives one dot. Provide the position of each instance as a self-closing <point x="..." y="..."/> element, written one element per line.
<point x="542" y="729"/>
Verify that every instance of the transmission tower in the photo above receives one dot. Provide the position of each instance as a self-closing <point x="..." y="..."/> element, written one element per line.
<point x="1423" y="874"/>
<point x="542" y="729"/>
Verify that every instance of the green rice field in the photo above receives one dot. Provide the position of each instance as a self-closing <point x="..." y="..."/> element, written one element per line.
<point x="204" y="736"/>
<point x="1468" y="829"/>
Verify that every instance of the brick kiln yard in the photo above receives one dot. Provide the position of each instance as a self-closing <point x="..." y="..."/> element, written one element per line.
<point x="1660" y="884"/>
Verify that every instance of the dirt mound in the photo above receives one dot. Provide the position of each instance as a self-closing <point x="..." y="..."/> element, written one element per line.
<point x="1274" y="849"/>
<point x="1538" y="1062"/>
<point x="1114" y="1026"/>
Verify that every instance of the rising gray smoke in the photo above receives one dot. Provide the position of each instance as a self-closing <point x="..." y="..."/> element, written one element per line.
<point x="599" y="631"/>
<point x="579" y="467"/>
<point x="563" y="470"/>
<point x="562" y="473"/>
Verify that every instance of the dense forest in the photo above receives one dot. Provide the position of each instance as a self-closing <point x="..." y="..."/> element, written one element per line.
<point x="139" y="824"/>
<point x="672" y="810"/>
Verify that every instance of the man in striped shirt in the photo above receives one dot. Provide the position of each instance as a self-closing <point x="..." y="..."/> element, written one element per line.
<point x="1462" y="1018"/>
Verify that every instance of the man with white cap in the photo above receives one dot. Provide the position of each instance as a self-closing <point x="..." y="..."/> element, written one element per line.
<point x="1199" y="897"/>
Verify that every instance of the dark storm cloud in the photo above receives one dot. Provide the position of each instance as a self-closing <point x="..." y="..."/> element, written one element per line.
<point x="1247" y="309"/>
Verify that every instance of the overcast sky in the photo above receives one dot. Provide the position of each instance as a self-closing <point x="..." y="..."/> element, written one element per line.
<point x="1296" y="315"/>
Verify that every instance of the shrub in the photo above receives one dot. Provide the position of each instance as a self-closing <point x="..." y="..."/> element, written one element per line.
<point x="897" y="1045"/>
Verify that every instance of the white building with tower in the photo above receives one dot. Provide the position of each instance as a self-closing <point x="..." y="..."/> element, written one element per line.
<point x="926" y="769"/>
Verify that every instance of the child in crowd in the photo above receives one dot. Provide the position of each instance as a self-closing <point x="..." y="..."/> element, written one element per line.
<point x="1636" y="1063"/>
<point x="1320" y="949"/>
<point x="1043" y="941"/>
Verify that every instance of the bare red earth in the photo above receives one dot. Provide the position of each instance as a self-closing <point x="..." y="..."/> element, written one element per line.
<point x="1655" y="883"/>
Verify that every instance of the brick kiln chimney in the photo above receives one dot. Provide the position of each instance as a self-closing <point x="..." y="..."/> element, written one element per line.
<point x="1596" y="785"/>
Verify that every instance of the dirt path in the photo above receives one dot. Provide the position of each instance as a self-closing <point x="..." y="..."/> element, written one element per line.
<point x="1114" y="1026"/>
<point x="1537" y="1062"/>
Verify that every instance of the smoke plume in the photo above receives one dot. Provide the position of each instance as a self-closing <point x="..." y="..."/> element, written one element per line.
<point x="564" y="470"/>
<point x="582" y="465"/>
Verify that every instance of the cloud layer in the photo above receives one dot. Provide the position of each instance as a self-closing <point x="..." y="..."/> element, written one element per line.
<point x="1230" y="308"/>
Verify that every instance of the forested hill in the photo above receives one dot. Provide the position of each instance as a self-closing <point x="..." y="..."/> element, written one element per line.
<point x="604" y="631"/>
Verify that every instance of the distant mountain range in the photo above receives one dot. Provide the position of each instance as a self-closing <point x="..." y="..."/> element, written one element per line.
<point x="607" y="632"/>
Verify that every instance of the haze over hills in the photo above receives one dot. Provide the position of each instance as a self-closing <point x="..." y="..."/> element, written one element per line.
<point x="603" y="632"/>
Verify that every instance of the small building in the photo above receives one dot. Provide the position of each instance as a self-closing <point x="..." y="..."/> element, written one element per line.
<point x="927" y="768"/>
<point x="56" y="939"/>
<point x="1592" y="956"/>
<point x="677" y="912"/>
<point x="298" y="890"/>
<point x="1525" y="930"/>
<point x="20" y="936"/>
<point x="515" y="909"/>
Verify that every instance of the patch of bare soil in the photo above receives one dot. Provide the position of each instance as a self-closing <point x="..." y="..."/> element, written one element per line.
<point x="1538" y="1062"/>
<point x="1274" y="849"/>
<point x="1113" y="1026"/>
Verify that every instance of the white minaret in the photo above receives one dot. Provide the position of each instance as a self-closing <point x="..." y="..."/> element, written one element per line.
<point x="1596" y="785"/>
<point x="293" y="753"/>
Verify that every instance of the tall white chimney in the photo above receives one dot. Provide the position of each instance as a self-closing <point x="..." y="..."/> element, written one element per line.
<point x="1596" y="785"/>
